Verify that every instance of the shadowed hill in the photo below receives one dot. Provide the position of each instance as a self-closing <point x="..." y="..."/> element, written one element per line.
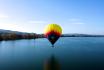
<point x="15" y="35"/>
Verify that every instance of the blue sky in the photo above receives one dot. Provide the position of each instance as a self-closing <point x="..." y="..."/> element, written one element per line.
<point x="74" y="16"/>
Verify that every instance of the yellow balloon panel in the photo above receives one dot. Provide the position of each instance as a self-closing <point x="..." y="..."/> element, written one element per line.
<point x="52" y="27"/>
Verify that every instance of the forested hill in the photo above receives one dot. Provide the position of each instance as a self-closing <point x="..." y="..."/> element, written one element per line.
<point x="15" y="35"/>
<point x="9" y="31"/>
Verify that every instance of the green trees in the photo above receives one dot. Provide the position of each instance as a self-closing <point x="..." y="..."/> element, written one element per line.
<point x="14" y="36"/>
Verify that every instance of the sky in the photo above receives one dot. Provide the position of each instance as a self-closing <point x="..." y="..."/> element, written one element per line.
<point x="74" y="16"/>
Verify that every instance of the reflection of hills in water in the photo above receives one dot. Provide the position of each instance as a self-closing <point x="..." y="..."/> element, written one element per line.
<point x="52" y="64"/>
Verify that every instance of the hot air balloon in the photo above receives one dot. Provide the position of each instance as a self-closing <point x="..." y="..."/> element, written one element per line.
<point x="52" y="32"/>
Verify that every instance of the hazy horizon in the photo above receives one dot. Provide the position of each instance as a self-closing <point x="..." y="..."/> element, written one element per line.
<point x="74" y="16"/>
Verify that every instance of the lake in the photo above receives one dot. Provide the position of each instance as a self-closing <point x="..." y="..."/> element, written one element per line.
<point x="68" y="53"/>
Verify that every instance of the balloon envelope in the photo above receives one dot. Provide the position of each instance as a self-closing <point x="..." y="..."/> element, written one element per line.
<point x="52" y="32"/>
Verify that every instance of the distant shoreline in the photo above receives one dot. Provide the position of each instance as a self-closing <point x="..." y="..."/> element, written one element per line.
<point x="81" y="35"/>
<point x="15" y="35"/>
<point x="12" y="36"/>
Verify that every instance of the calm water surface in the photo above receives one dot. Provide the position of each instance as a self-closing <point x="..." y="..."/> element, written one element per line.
<point x="69" y="53"/>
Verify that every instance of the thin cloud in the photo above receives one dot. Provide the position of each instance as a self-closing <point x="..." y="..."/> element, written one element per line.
<point x="37" y="22"/>
<point x="3" y="16"/>
<point x="74" y="19"/>
<point x="8" y="26"/>
<point x="78" y="23"/>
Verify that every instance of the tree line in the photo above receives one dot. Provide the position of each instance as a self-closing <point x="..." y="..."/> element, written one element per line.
<point x="14" y="36"/>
